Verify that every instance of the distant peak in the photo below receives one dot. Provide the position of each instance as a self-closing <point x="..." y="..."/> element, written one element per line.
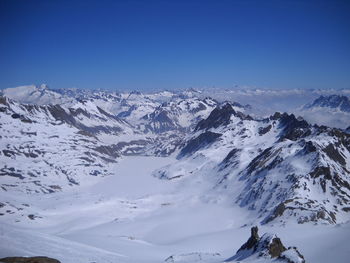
<point x="333" y="101"/>
<point x="44" y="87"/>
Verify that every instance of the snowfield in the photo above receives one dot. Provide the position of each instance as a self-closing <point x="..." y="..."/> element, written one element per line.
<point x="132" y="216"/>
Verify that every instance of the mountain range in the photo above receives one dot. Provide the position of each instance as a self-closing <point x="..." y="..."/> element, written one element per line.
<point x="277" y="170"/>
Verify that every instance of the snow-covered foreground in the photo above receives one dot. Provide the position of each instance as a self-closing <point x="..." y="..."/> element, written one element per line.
<point x="133" y="216"/>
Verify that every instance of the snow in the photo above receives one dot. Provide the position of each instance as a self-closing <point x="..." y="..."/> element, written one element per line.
<point x="36" y="95"/>
<point x="154" y="209"/>
<point x="292" y="256"/>
<point x="132" y="216"/>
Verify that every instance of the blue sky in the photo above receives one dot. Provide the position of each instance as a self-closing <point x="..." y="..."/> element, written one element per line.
<point x="175" y="44"/>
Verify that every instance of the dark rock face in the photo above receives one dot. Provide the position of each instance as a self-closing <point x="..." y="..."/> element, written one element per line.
<point x="201" y="141"/>
<point x="265" y="130"/>
<point x="259" y="162"/>
<point x="332" y="153"/>
<point x="21" y="117"/>
<point x="219" y="116"/>
<point x="231" y="159"/>
<point x="61" y="115"/>
<point x="276" y="247"/>
<point x="267" y="246"/>
<point x="278" y="211"/>
<point x="293" y="128"/>
<point x="15" y="116"/>
<point x="309" y="147"/>
<point x="3" y="100"/>
<point x="252" y="241"/>
<point x="29" y="260"/>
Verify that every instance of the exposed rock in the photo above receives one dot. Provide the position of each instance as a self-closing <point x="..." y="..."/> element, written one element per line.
<point x="265" y="130"/>
<point x="309" y="147"/>
<point x="334" y="154"/>
<point x="293" y="128"/>
<point x="32" y="217"/>
<point x="3" y="100"/>
<point x="278" y="211"/>
<point x="201" y="141"/>
<point x="276" y="247"/>
<point x="269" y="246"/>
<point x="231" y="159"/>
<point x="219" y="116"/>
<point x="29" y="260"/>
<point x="253" y="239"/>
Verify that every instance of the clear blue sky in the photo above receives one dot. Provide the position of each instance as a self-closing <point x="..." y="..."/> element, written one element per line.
<point x="175" y="44"/>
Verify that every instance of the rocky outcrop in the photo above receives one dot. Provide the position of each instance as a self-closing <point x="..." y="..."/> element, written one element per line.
<point x="220" y="116"/>
<point x="269" y="246"/>
<point x="253" y="239"/>
<point x="293" y="128"/>
<point x="29" y="260"/>
<point x="203" y="140"/>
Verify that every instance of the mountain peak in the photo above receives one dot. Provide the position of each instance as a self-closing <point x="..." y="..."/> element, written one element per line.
<point x="44" y="86"/>
<point x="221" y="115"/>
<point x="334" y="101"/>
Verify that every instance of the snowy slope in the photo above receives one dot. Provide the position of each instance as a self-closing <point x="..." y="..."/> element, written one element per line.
<point x="157" y="220"/>
<point x="43" y="150"/>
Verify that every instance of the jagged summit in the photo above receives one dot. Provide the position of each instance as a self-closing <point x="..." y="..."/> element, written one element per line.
<point x="220" y="116"/>
<point x="269" y="246"/>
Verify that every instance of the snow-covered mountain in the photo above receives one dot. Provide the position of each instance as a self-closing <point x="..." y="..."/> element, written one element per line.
<point x="178" y="114"/>
<point x="39" y="95"/>
<point x="335" y="102"/>
<point x="93" y="176"/>
<point x="281" y="167"/>
<point x="331" y="110"/>
<point x="46" y="148"/>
